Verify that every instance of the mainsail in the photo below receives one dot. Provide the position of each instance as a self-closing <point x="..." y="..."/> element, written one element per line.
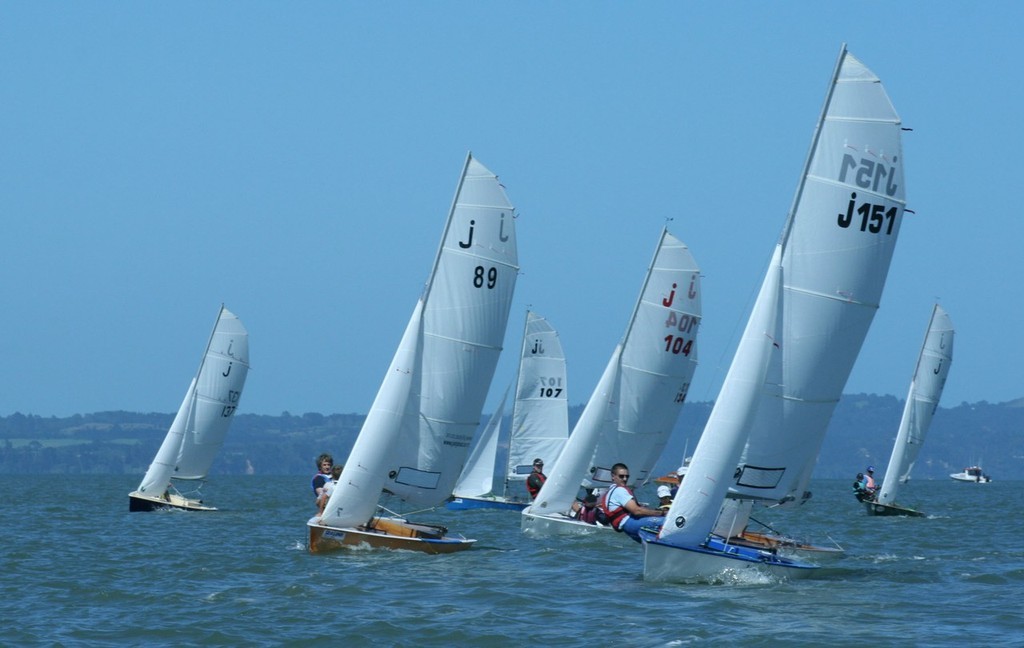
<point x="837" y="246"/>
<point x="418" y="431"/>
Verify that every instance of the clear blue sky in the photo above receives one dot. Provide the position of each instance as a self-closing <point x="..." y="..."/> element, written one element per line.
<point x="296" y="161"/>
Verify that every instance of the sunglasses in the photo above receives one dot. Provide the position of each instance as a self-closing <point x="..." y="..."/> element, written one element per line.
<point x="622" y="476"/>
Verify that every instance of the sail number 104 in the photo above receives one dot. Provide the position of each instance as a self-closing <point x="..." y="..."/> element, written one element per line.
<point x="678" y="344"/>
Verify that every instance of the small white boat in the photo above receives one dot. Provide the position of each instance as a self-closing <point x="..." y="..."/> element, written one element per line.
<point x="202" y="422"/>
<point x="973" y="474"/>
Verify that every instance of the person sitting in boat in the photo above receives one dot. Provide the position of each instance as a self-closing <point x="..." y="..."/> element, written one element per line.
<point x="623" y="511"/>
<point x="665" y="496"/>
<point x="324" y="464"/>
<point x="328" y="488"/>
<point x="536" y="479"/>
<point x="858" y="489"/>
<point x="586" y="511"/>
<point x="869" y="481"/>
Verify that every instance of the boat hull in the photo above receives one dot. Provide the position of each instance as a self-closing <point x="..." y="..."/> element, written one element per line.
<point x="715" y="563"/>
<point x="875" y="508"/>
<point x="468" y="503"/>
<point x="386" y="533"/>
<point x="557" y="525"/>
<point x="138" y="502"/>
<point x="788" y="546"/>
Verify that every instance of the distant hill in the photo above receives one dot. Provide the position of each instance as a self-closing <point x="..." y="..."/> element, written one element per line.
<point x="862" y="432"/>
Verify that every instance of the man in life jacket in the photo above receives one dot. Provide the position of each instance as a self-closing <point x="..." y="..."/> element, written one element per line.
<point x="869" y="482"/>
<point x="624" y="513"/>
<point x="536" y="479"/>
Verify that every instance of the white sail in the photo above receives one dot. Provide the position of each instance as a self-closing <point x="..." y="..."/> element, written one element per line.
<point x="659" y="357"/>
<point x="202" y="422"/>
<point x="477" y="478"/>
<point x="540" y="414"/>
<point x="933" y="365"/>
<point x="696" y="505"/>
<point x="414" y="441"/>
<point x="836" y="250"/>
<point x="158" y="477"/>
<point x="635" y="405"/>
<point x="817" y="300"/>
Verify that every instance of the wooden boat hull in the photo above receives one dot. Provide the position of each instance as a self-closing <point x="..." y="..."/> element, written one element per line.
<point x="555" y="525"/>
<point x="787" y="546"/>
<point x="468" y="503"/>
<point x="875" y="508"/>
<point x="386" y="533"/>
<point x="715" y="562"/>
<point x="138" y="502"/>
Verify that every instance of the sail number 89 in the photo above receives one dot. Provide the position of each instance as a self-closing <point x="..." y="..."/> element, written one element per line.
<point x="482" y="276"/>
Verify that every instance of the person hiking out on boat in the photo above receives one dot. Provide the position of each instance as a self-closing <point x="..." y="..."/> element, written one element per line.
<point x="624" y="513"/>
<point x="536" y="479"/>
<point x="859" y="491"/>
<point x="324" y="464"/>
<point x="869" y="481"/>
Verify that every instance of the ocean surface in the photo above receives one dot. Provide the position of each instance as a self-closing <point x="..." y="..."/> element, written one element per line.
<point x="79" y="569"/>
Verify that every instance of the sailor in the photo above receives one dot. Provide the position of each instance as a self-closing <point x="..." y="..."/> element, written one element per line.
<point x="536" y="479"/>
<point x="324" y="464"/>
<point x="624" y="513"/>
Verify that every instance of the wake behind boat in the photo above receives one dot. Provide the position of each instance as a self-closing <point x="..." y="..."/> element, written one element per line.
<point x="202" y="422"/>
<point x="414" y="441"/>
<point x="816" y="303"/>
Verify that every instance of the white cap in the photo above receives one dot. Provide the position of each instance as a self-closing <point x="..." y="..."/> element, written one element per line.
<point x="664" y="491"/>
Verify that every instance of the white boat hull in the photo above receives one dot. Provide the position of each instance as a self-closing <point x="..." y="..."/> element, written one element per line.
<point x="664" y="563"/>
<point x="556" y="525"/>
<point x="385" y="533"/>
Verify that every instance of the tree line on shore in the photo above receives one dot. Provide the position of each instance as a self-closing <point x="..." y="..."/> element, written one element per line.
<point x="861" y="433"/>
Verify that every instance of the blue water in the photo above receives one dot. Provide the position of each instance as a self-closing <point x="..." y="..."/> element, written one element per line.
<point x="78" y="569"/>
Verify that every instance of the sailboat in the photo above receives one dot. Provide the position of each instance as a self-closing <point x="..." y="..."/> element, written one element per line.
<point x="822" y="288"/>
<point x="634" y="407"/>
<point x="414" y="441"/>
<point x="933" y="364"/>
<point x="202" y="422"/>
<point x="540" y="425"/>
